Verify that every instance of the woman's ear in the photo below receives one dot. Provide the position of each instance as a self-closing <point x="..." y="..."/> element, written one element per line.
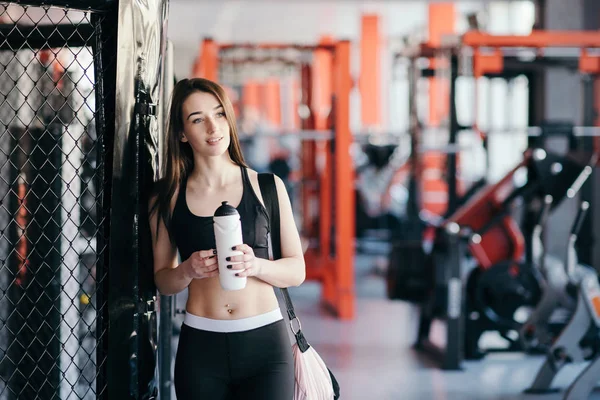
<point x="182" y="137"/>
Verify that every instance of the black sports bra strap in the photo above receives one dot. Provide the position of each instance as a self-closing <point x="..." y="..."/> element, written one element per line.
<point x="245" y="176"/>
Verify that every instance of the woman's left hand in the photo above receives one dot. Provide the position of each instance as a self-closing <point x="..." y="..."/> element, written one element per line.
<point x="246" y="264"/>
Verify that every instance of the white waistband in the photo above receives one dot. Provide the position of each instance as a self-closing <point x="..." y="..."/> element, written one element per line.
<point x="232" y="325"/>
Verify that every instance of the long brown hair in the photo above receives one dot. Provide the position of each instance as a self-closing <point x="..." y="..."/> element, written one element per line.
<point x="179" y="161"/>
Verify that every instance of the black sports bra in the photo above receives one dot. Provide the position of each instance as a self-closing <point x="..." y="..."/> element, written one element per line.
<point x="194" y="233"/>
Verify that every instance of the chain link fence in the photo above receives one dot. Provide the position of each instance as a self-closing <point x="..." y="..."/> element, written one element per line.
<point x="53" y="283"/>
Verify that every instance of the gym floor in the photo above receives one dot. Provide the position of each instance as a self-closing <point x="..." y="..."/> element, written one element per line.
<point x="372" y="357"/>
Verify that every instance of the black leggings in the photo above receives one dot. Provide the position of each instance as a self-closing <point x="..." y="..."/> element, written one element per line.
<point x="254" y="364"/>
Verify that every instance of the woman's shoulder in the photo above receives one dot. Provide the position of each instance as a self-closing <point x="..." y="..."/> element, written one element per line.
<point x="253" y="175"/>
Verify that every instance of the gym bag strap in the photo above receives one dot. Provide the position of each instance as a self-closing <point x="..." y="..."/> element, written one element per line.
<point x="269" y="193"/>
<point x="268" y="190"/>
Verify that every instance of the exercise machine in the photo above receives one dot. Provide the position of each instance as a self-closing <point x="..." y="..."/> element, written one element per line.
<point x="504" y="277"/>
<point x="580" y="339"/>
<point x="540" y="329"/>
<point x="499" y="282"/>
<point x="557" y="304"/>
<point x="502" y="282"/>
<point x="583" y="385"/>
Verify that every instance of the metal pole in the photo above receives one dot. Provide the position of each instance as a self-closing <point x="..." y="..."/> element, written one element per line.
<point x="585" y="246"/>
<point x="455" y="311"/>
<point x="7" y="98"/>
<point x="166" y="302"/>
<point x="343" y="177"/>
<point x="414" y="199"/>
<point x="454" y="128"/>
<point x="104" y="47"/>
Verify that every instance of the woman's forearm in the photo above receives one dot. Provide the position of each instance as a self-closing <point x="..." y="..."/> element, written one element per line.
<point x="171" y="281"/>
<point x="282" y="273"/>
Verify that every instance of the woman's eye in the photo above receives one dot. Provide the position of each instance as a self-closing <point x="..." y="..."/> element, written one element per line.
<point x="197" y="120"/>
<point x="221" y="114"/>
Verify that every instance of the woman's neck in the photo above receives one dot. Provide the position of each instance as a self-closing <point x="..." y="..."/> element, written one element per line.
<point x="214" y="172"/>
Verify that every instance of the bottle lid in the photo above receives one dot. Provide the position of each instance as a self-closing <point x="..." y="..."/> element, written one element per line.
<point x="225" y="210"/>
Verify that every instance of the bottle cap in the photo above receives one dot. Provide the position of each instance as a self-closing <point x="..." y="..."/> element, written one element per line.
<point x="225" y="210"/>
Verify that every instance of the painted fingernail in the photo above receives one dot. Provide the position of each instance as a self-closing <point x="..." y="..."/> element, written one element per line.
<point x="214" y="252"/>
<point x="228" y="259"/>
<point x="233" y="248"/>
<point x="237" y="274"/>
<point x="229" y="266"/>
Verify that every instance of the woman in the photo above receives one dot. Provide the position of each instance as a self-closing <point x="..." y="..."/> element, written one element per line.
<point x="233" y="344"/>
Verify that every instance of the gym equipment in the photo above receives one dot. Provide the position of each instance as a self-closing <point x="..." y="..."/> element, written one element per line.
<point x="580" y="339"/>
<point x="583" y="385"/>
<point x="502" y="283"/>
<point x="544" y="325"/>
<point x="448" y="347"/>
<point x="409" y="274"/>
<point x="499" y="282"/>
<point x="539" y="330"/>
<point x="474" y="55"/>
<point x="374" y="177"/>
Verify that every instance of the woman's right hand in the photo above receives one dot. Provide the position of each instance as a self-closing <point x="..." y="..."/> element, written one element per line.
<point x="202" y="264"/>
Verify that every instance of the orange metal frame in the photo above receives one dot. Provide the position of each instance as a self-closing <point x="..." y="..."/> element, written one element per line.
<point x="493" y="62"/>
<point x="332" y="261"/>
<point x="433" y="184"/>
<point x="430" y="165"/>
<point x="488" y="55"/>
<point x="370" y="63"/>
<point x="537" y="38"/>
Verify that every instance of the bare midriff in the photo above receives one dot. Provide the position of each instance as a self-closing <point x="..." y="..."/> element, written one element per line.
<point x="207" y="299"/>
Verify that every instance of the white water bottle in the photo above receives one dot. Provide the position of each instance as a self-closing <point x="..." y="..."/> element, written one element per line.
<point x="228" y="233"/>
